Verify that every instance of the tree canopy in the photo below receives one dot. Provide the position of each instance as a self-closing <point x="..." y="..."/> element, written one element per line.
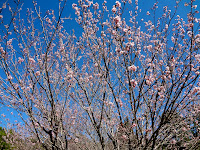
<point x="119" y="79"/>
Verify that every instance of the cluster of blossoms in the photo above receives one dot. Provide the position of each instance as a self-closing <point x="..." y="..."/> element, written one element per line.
<point x="118" y="21"/>
<point x="2" y="50"/>
<point x="132" y="68"/>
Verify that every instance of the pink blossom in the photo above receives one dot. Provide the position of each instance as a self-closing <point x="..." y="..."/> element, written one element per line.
<point x="90" y="3"/>
<point x="196" y="90"/>
<point x="133" y="125"/>
<point x="197" y="72"/>
<point x="184" y="129"/>
<point x="33" y="144"/>
<point x="85" y="6"/>
<point x="1" y="16"/>
<point x="117" y="20"/>
<point x="124" y="137"/>
<point x="25" y="50"/>
<point x="96" y="65"/>
<point x="173" y="141"/>
<point x="114" y="9"/>
<point x="133" y="83"/>
<point x="74" y="5"/>
<point x="125" y="30"/>
<point x="194" y="6"/>
<point x="90" y="15"/>
<point x="120" y="103"/>
<point x="6" y="26"/>
<point x="20" y="60"/>
<point x="122" y="52"/>
<point x="3" y="115"/>
<point x="90" y="77"/>
<point x="150" y="47"/>
<point x="20" y="100"/>
<point x="132" y="68"/>
<point x="166" y="26"/>
<point x="111" y="104"/>
<point x="132" y="44"/>
<point x="96" y="5"/>
<point x="197" y="57"/>
<point x="148" y="130"/>
<point x="114" y="32"/>
<point x="37" y="73"/>
<point x="148" y="82"/>
<point x="9" y="42"/>
<point x="118" y="4"/>
<point x="40" y="61"/>
<point x="76" y="140"/>
<point x="31" y="60"/>
<point x="10" y="77"/>
<point x="173" y="39"/>
<point x="117" y="49"/>
<point x="1" y="50"/>
<point x="189" y="33"/>
<point x="48" y="20"/>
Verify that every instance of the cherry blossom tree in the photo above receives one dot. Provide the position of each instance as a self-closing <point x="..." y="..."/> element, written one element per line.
<point x="123" y="83"/>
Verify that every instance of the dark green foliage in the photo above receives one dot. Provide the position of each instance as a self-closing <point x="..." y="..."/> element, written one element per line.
<point x="3" y="144"/>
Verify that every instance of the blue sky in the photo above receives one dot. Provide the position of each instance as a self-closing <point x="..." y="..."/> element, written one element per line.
<point x="145" y="5"/>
